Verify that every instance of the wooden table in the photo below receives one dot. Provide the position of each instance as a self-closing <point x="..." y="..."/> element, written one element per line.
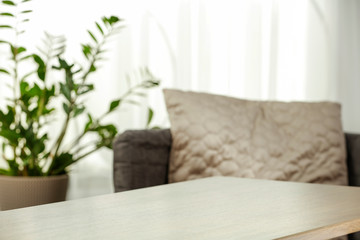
<point x="212" y="208"/>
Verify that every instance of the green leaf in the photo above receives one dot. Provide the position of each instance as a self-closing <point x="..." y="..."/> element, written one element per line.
<point x="92" y="36"/>
<point x="12" y="136"/>
<point x="39" y="145"/>
<point x="100" y="29"/>
<point x="106" y="131"/>
<point x="85" y="88"/>
<point x="64" y="89"/>
<point x="3" y="41"/>
<point x="87" y="49"/>
<point x="78" y="111"/>
<point x="11" y="3"/>
<point x="47" y="111"/>
<point x="77" y="71"/>
<point x="4" y="71"/>
<point x="17" y="50"/>
<point x="111" y="20"/>
<point x="5" y="26"/>
<point x="89" y="123"/>
<point x="25" y="57"/>
<point x="139" y="94"/>
<point x="114" y="19"/>
<point x="20" y="50"/>
<point x="90" y="117"/>
<point x="50" y="92"/>
<point x="150" y="83"/>
<point x="92" y="68"/>
<point x="5" y="172"/>
<point x="60" y="163"/>
<point x="107" y="134"/>
<point x="13" y="49"/>
<point x="66" y="108"/>
<point x="150" y="116"/>
<point x="64" y="64"/>
<point x="7" y="119"/>
<point x="69" y="79"/>
<point x="14" y="166"/>
<point x="41" y="71"/>
<point x="26" y="11"/>
<point x="105" y="20"/>
<point x="7" y="14"/>
<point x="59" y="50"/>
<point x="35" y="91"/>
<point x="133" y="102"/>
<point x="114" y="104"/>
<point x="38" y="59"/>
<point x="24" y="86"/>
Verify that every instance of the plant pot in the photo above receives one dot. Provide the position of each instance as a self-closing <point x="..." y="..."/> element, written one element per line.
<point x="18" y="192"/>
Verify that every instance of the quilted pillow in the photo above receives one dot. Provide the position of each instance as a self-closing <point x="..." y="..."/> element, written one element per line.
<point x="217" y="135"/>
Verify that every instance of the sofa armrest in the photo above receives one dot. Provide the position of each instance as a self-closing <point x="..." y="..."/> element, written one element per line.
<point x="353" y="165"/>
<point x="353" y="158"/>
<point x="141" y="158"/>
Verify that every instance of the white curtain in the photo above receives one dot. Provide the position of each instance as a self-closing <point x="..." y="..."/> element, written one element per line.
<point x="290" y="50"/>
<point x="270" y="50"/>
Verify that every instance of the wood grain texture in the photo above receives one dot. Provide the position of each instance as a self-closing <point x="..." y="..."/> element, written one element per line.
<point x="326" y="232"/>
<point x="213" y="208"/>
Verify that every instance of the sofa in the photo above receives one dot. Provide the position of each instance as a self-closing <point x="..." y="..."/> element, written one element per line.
<point x="141" y="158"/>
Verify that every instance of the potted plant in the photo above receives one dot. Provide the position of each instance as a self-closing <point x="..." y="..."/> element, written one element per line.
<point x="38" y="165"/>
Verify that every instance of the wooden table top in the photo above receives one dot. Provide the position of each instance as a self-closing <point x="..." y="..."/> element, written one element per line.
<point x="212" y="208"/>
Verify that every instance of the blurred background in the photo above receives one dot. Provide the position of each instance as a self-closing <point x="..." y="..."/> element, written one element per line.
<point x="286" y="50"/>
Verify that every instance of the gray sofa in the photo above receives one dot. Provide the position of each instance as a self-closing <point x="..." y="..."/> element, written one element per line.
<point x="141" y="158"/>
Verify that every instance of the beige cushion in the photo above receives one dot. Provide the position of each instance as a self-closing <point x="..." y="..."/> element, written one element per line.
<point x="217" y="135"/>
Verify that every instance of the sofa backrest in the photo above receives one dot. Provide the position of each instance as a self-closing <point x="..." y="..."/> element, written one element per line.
<point x="141" y="158"/>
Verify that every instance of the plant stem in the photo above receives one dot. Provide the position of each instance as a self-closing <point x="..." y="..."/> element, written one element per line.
<point x="93" y="60"/>
<point x="75" y="141"/>
<point x="92" y="63"/>
<point x="88" y="153"/>
<point x="72" y="104"/>
<point x="126" y="94"/>
<point x="79" y="149"/>
<point x="58" y="143"/>
<point x="62" y="134"/>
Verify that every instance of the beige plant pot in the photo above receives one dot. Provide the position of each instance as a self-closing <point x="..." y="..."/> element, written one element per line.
<point x="18" y="192"/>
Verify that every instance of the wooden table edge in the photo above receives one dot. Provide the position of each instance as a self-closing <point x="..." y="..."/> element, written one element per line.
<point x="326" y="232"/>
